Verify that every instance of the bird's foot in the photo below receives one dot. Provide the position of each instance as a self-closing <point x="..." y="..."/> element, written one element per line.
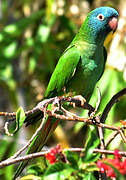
<point x="56" y="105"/>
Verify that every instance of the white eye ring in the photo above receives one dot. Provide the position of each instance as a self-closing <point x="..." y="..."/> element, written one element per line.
<point x="100" y="17"/>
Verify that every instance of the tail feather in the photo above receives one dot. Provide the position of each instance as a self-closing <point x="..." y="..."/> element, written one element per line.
<point x="40" y="140"/>
<point x="33" y="118"/>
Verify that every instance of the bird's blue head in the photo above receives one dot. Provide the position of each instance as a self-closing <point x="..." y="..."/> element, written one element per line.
<point x="100" y="22"/>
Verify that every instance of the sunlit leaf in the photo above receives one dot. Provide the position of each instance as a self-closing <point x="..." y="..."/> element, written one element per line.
<point x="89" y="176"/>
<point x="72" y="157"/>
<point x="20" y="117"/>
<point x="58" y="171"/>
<point x="43" y="33"/>
<point x="30" y="177"/>
<point x="10" y="29"/>
<point x="91" y="143"/>
<point x="9" y="51"/>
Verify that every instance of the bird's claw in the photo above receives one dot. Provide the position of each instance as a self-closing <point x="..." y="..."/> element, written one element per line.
<point x="56" y="102"/>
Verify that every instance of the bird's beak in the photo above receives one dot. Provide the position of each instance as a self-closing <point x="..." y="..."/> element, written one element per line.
<point x="113" y="23"/>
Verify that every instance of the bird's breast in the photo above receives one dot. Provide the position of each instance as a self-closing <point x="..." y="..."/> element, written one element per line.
<point x="86" y="75"/>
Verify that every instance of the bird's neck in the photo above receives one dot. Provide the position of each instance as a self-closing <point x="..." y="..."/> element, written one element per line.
<point x="90" y="35"/>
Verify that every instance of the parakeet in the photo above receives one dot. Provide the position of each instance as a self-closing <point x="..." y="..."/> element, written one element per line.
<point x="78" y="69"/>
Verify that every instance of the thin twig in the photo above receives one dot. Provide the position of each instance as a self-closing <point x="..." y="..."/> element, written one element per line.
<point x="16" y="160"/>
<point x="113" y="100"/>
<point x="100" y="129"/>
<point x="7" y="114"/>
<point x="81" y="119"/>
<point x="101" y="137"/>
<point x="110" y="138"/>
<point x="122" y="135"/>
<point x="114" y="134"/>
<point x="13" y="114"/>
<point x="89" y="121"/>
<point x="40" y="106"/>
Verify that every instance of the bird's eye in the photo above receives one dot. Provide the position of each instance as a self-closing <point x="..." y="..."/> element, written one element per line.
<point x="100" y="17"/>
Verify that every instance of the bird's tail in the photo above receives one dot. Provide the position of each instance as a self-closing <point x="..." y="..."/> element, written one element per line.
<point x="50" y="123"/>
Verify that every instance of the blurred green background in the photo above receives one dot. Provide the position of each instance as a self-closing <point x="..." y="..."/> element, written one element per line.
<point x="33" y="35"/>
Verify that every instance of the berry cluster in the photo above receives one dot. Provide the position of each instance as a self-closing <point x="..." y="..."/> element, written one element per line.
<point x="117" y="163"/>
<point x="55" y="154"/>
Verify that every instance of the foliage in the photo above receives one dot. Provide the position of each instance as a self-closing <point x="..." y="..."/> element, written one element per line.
<point x="73" y="165"/>
<point x="33" y="35"/>
<point x="68" y="165"/>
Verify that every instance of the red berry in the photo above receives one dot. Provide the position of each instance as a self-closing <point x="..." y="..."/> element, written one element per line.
<point x="116" y="153"/>
<point x="51" y="156"/>
<point x="110" y="173"/>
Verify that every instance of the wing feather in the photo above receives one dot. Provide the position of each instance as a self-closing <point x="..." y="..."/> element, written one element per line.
<point x="63" y="71"/>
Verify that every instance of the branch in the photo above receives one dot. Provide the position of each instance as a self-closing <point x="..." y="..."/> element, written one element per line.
<point x="100" y="129"/>
<point x="77" y="101"/>
<point x="89" y="121"/>
<point x="113" y="100"/>
<point x="61" y="99"/>
<point x="111" y="137"/>
<point x="40" y="154"/>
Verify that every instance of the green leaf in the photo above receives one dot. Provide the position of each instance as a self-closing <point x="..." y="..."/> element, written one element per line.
<point x="3" y="148"/>
<point x="91" y="144"/>
<point x="10" y="50"/>
<point x="34" y="169"/>
<point x="49" y="9"/>
<point x="10" y="29"/>
<point x="41" y="37"/>
<point x="58" y="171"/>
<point x="72" y="157"/>
<point x="20" y="117"/>
<point x="15" y="29"/>
<point x="7" y="149"/>
<point x="43" y="33"/>
<point x="89" y="176"/>
<point x="30" y="177"/>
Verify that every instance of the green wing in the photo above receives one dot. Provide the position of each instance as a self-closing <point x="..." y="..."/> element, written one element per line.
<point x="61" y="75"/>
<point x="63" y="72"/>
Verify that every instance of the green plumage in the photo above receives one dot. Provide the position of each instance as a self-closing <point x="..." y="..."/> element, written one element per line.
<point x="78" y="76"/>
<point x="78" y="69"/>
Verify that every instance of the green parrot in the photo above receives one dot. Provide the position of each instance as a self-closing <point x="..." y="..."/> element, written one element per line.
<point x="78" y="69"/>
